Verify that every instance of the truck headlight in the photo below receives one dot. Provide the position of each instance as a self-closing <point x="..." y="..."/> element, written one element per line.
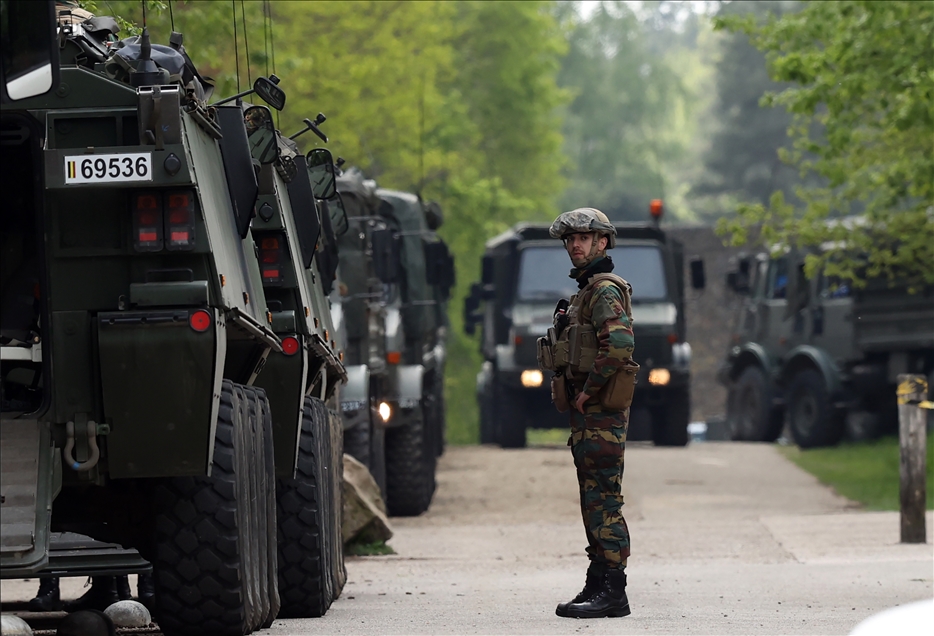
<point x="659" y="377"/>
<point x="531" y="378"/>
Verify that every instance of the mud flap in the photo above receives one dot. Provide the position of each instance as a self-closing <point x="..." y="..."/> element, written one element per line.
<point x="26" y="456"/>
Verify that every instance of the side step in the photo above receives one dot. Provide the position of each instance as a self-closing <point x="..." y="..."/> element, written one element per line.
<point x="25" y="496"/>
<point x="73" y="554"/>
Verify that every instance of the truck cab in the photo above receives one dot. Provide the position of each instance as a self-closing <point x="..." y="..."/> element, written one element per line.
<point x="524" y="273"/>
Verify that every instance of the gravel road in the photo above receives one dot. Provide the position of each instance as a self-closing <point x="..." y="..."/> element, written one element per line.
<point x="727" y="538"/>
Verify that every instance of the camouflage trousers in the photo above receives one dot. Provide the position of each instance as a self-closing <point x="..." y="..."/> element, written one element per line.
<point x="598" y="441"/>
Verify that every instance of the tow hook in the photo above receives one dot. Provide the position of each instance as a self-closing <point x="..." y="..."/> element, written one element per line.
<point x="90" y="435"/>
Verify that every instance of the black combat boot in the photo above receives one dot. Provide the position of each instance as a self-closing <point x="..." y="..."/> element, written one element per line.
<point x="103" y="594"/>
<point x="147" y="590"/>
<point x="609" y="600"/>
<point x="595" y="573"/>
<point x="123" y="588"/>
<point x="48" y="598"/>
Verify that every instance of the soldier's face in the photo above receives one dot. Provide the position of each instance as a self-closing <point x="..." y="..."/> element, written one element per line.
<point x="580" y="247"/>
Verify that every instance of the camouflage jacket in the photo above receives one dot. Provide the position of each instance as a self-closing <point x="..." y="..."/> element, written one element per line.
<point x="615" y="341"/>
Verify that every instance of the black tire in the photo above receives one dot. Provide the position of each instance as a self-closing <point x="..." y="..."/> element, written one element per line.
<point x="410" y="467"/>
<point x="198" y="539"/>
<point x="487" y="420"/>
<point x="812" y="418"/>
<point x="377" y="464"/>
<point x="750" y="415"/>
<point x="303" y="526"/>
<point x="357" y="442"/>
<point x="251" y="517"/>
<point x="269" y="570"/>
<point x="670" y="425"/>
<point x="509" y="417"/>
<point x="434" y="410"/>
<point x="332" y="477"/>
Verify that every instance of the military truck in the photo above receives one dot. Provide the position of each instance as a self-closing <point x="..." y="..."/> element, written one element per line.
<point x="135" y="327"/>
<point x="818" y="359"/>
<point x="398" y="276"/>
<point x="524" y="273"/>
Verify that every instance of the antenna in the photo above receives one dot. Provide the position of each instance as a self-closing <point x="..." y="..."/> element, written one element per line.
<point x="233" y="8"/>
<point x="246" y="43"/>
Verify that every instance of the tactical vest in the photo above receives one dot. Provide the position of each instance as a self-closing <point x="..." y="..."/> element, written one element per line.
<point x="572" y="352"/>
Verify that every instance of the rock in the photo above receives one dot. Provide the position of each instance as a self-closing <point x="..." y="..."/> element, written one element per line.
<point x="14" y="626"/>
<point x="129" y="614"/>
<point x="364" y="515"/>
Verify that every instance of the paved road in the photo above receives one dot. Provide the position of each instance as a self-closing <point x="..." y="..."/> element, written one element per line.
<point x="727" y="539"/>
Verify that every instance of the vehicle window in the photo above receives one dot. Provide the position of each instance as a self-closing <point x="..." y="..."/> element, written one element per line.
<point x="834" y="287"/>
<point x="543" y="273"/>
<point x="778" y="279"/>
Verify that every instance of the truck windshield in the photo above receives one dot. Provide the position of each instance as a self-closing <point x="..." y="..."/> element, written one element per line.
<point x="543" y="273"/>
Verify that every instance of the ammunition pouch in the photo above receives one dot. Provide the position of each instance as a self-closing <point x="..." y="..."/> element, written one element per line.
<point x="582" y="348"/>
<point x="552" y="353"/>
<point x="616" y="394"/>
<point x="559" y="393"/>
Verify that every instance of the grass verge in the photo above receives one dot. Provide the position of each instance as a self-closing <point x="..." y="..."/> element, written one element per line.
<point x="865" y="472"/>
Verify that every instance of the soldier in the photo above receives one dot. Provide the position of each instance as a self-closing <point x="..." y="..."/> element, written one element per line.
<point x="594" y="380"/>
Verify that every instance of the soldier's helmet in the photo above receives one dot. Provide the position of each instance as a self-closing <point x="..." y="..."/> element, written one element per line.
<point x="584" y="220"/>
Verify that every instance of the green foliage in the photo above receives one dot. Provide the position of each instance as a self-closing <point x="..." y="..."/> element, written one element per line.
<point x="862" y="99"/>
<point x="867" y="472"/>
<point x="618" y="127"/>
<point x="368" y="548"/>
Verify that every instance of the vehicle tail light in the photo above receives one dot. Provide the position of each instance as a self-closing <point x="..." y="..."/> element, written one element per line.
<point x="147" y="222"/>
<point x="290" y="345"/>
<point x="394" y="357"/>
<point x="200" y="320"/>
<point x="270" y="259"/>
<point x="672" y="338"/>
<point x="180" y="220"/>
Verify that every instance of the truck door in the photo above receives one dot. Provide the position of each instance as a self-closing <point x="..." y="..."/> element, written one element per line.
<point x="830" y="317"/>
<point x="772" y="330"/>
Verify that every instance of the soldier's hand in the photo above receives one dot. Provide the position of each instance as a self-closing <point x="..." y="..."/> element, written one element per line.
<point x="579" y="401"/>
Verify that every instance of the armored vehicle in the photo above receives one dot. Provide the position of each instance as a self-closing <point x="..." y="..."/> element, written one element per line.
<point x="524" y="273"/>
<point x="819" y="355"/>
<point x="398" y="275"/>
<point x="135" y="326"/>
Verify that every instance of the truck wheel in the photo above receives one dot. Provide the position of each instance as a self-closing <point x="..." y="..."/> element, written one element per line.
<point x="357" y="443"/>
<point x="330" y="449"/>
<point x="267" y="497"/>
<point x="199" y="540"/>
<point x="670" y="425"/>
<point x="250" y="516"/>
<point x="487" y="419"/>
<point x="509" y="417"/>
<point x="811" y="416"/>
<point x="302" y="525"/>
<point x="749" y="412"/>
<point x="378" y="454"/>
<point x="410" y="467"/>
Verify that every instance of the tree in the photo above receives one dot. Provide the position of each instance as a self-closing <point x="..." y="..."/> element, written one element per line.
<point x="861" y="92"/>
<point x="618" y="140"/>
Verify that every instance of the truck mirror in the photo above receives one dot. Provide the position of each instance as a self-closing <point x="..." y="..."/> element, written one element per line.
<point x="471" y="305"/>
<point x="698" y="278"/>
<point x="486" y="270"/>
<point x="433" y="215"/>
<point x="261" y="133"/>
<point x="338" y="214"/>
<point x="28" y="29"/>
<point x="321" y="170"/>
<point x="269" y="92"/>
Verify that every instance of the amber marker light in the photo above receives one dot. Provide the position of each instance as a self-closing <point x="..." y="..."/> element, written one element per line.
<point x="531" y="378"/>
<point x="659" y="377"/>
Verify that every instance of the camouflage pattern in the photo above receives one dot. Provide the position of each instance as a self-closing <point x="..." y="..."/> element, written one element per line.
<point x="615" y="342"/>
<point x="584" y="220"/>
<point x="598" y="437"/>
<point x="598" y="442"/>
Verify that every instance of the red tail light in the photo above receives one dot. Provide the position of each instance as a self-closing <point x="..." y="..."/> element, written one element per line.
<point x="290" y="345"/>
<point x="147" y="222"/>
<point x="200" y="321"/>
<point x="270" y="259"/>
<point x="180" y="220"/>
